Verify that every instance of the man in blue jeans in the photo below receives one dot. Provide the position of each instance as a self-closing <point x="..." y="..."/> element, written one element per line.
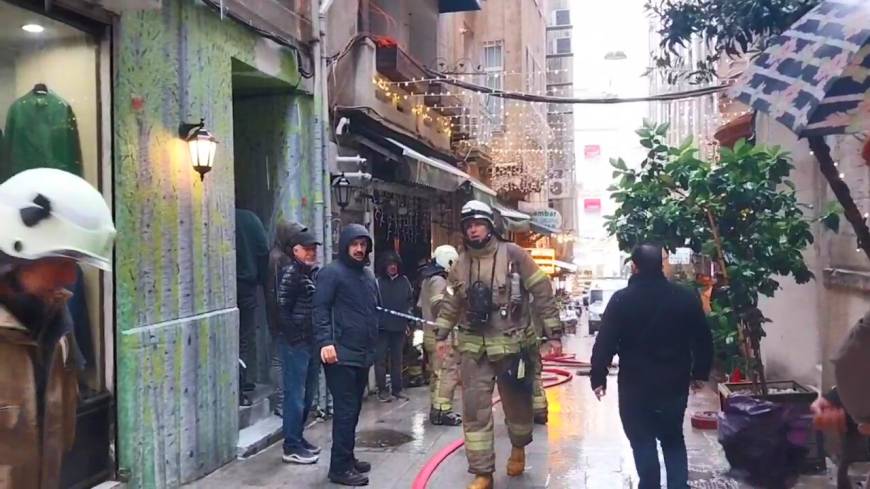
<point x="346" y="331"/>
<point x="664" y="344"/>
<point x="301" y="363"/>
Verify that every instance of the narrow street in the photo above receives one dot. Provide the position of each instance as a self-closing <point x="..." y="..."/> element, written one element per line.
<point x="583" y="447"/>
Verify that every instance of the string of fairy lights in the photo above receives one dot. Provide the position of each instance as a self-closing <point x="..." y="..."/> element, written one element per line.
<point x="525" y="139"/>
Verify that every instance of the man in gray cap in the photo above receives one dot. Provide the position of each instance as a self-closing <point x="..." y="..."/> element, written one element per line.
<point x="300" y="361"/>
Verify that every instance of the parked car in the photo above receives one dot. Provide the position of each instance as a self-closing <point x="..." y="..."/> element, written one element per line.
<point x="599" y="295"/>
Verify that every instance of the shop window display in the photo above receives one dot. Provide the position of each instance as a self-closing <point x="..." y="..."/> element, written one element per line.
<point x="49" y="118"/>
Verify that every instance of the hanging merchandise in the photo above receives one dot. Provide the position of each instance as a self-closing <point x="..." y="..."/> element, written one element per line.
<point x="41" y="132"/>
<point x="402" y="218"/>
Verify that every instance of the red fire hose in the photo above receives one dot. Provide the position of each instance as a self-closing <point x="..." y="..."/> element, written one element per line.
<point x="422" y="479"/>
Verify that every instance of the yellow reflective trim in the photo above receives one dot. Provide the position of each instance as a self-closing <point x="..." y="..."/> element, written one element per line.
<point x="442" y="404"/>
<point x="436" y="298"/>
<point x="443" y="323"/>
<point x="535" y="278"/>
<point x="520" y="429"/>
<point x="539" y="403"/>
<point x="478" y="446"/>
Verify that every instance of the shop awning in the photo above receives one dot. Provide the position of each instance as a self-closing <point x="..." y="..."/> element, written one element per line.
<point x="540" y="229"/>
<point x="438" y="174"/>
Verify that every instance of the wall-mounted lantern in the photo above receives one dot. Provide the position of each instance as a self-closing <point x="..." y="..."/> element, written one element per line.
<point x="341" y="187"/>
<point x="202" y="146"/>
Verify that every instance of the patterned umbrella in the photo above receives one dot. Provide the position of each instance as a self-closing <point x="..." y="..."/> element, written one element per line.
<point x="815" y="78"/>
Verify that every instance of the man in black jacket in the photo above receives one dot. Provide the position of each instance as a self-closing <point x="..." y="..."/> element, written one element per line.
<point x="397" y="295"/>
<point x="346" y="331"/>
<point x="664" y="344"/>
<point x="299" y="360"/>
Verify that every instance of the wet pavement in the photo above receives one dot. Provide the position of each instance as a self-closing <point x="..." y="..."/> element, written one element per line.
<point x="583" y="447"/>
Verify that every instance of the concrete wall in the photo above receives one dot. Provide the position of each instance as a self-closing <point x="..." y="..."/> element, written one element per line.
<point x="177" y="322"/>
<point x="810" y="320"/>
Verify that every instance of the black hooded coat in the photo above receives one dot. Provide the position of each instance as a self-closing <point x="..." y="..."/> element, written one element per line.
<point x="345" y="314"/>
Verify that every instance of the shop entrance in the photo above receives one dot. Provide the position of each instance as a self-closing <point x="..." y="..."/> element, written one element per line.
<point x="264" y="109"/>
<point x="49" y="118"/>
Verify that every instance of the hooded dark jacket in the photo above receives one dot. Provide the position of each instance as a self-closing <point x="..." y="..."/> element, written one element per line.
<point x="278" y="259"/>
<point x="345" y="314"/>
<point x="396" y="295"/>
<point x="661" y="335"/>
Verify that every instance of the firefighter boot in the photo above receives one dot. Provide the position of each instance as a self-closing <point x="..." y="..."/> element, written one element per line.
<point x="444" y="418"/>
<point x="516" y="463"/>
<point x="481" y="482"/>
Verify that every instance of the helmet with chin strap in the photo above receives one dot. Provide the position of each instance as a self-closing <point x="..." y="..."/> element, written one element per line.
<point x="445" y="256"/>
<point x="475" y="210"/>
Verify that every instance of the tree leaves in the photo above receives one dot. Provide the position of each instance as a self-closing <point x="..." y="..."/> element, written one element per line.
<point x="729" y="28"/>
<point x="761" y="224"/>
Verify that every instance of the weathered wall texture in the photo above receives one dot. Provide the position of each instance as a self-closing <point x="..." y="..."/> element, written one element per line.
<point x="175" y="269"/>
<point x="810" y="320"/>
<point x="273" y="150"/>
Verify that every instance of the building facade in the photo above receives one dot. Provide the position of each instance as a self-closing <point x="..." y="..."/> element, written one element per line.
<point x="561" y="176"/>
<point x="160" y="388"/>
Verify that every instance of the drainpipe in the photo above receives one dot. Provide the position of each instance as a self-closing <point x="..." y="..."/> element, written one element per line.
<point x="322" y="184"/>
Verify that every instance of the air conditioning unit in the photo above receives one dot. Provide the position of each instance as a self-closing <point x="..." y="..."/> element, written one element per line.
<point x="560" y="17"/>
<point x="560" y="184"/>
<point x="560" y="46"/>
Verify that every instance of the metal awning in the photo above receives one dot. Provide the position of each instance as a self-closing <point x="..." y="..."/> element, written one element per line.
<point x="438" y="174"/>
<point x="540" y="229"/>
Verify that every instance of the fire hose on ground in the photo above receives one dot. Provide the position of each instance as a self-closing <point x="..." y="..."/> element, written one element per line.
<point x="558" y="376"/>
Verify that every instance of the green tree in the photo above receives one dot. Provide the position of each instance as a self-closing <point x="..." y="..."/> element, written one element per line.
<point x="727" y="27"/>
<point x="741" y="211"/>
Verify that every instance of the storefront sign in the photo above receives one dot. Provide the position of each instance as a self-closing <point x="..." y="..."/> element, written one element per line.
<point x="592" y="205"/>
<point x="592" y="151"/>
<point x="544" y="258"/>
<point x="548" y="218"/>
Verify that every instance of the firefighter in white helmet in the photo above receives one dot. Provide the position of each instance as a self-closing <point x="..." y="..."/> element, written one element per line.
<point x="49" y="221"/>
<point x="443" y="372"/>
<point x="488" y="298"/>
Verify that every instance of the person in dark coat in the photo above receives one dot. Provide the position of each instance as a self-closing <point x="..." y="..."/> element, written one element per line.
<point x="252" y="261"/>
<point x="664" y="344"/>
<point x="346" y="333"/>
<point x="397" y="295"/>
<point x="280" y="256"/>
<point x="296" y="341"/>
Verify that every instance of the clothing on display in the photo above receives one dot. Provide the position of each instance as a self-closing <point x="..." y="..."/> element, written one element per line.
<point x="41" y="132"/>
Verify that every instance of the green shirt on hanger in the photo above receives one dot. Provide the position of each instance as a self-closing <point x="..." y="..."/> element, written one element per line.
<point x="41" y="132"/>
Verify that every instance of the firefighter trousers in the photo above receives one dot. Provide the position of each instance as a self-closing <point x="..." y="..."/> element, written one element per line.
<point x="443" y="378"/>
<point x="539" y="396"/>
<point x="480" y="375"/>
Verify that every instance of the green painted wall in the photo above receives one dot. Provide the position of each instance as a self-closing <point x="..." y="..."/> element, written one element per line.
<point x="177" y="322"/>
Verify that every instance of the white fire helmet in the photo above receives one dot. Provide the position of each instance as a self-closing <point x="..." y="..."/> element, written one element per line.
<point x="445" y="256"/>
<point x="475" y="209"/>
<point x="52" y="213"/>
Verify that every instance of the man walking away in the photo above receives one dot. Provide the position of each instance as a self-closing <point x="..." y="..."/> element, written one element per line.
<point x="346" y="331"/>
<point x="252" y="260"/>
<point x="444" y="374"/>
<point x="664" y="344"/>
<point x="397" y="295"/>
<point x="279" y="257"/>
<point x="301" y="362"/>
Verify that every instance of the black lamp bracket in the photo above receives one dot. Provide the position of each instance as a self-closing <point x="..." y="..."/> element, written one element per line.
<point x="186" y="130"/>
